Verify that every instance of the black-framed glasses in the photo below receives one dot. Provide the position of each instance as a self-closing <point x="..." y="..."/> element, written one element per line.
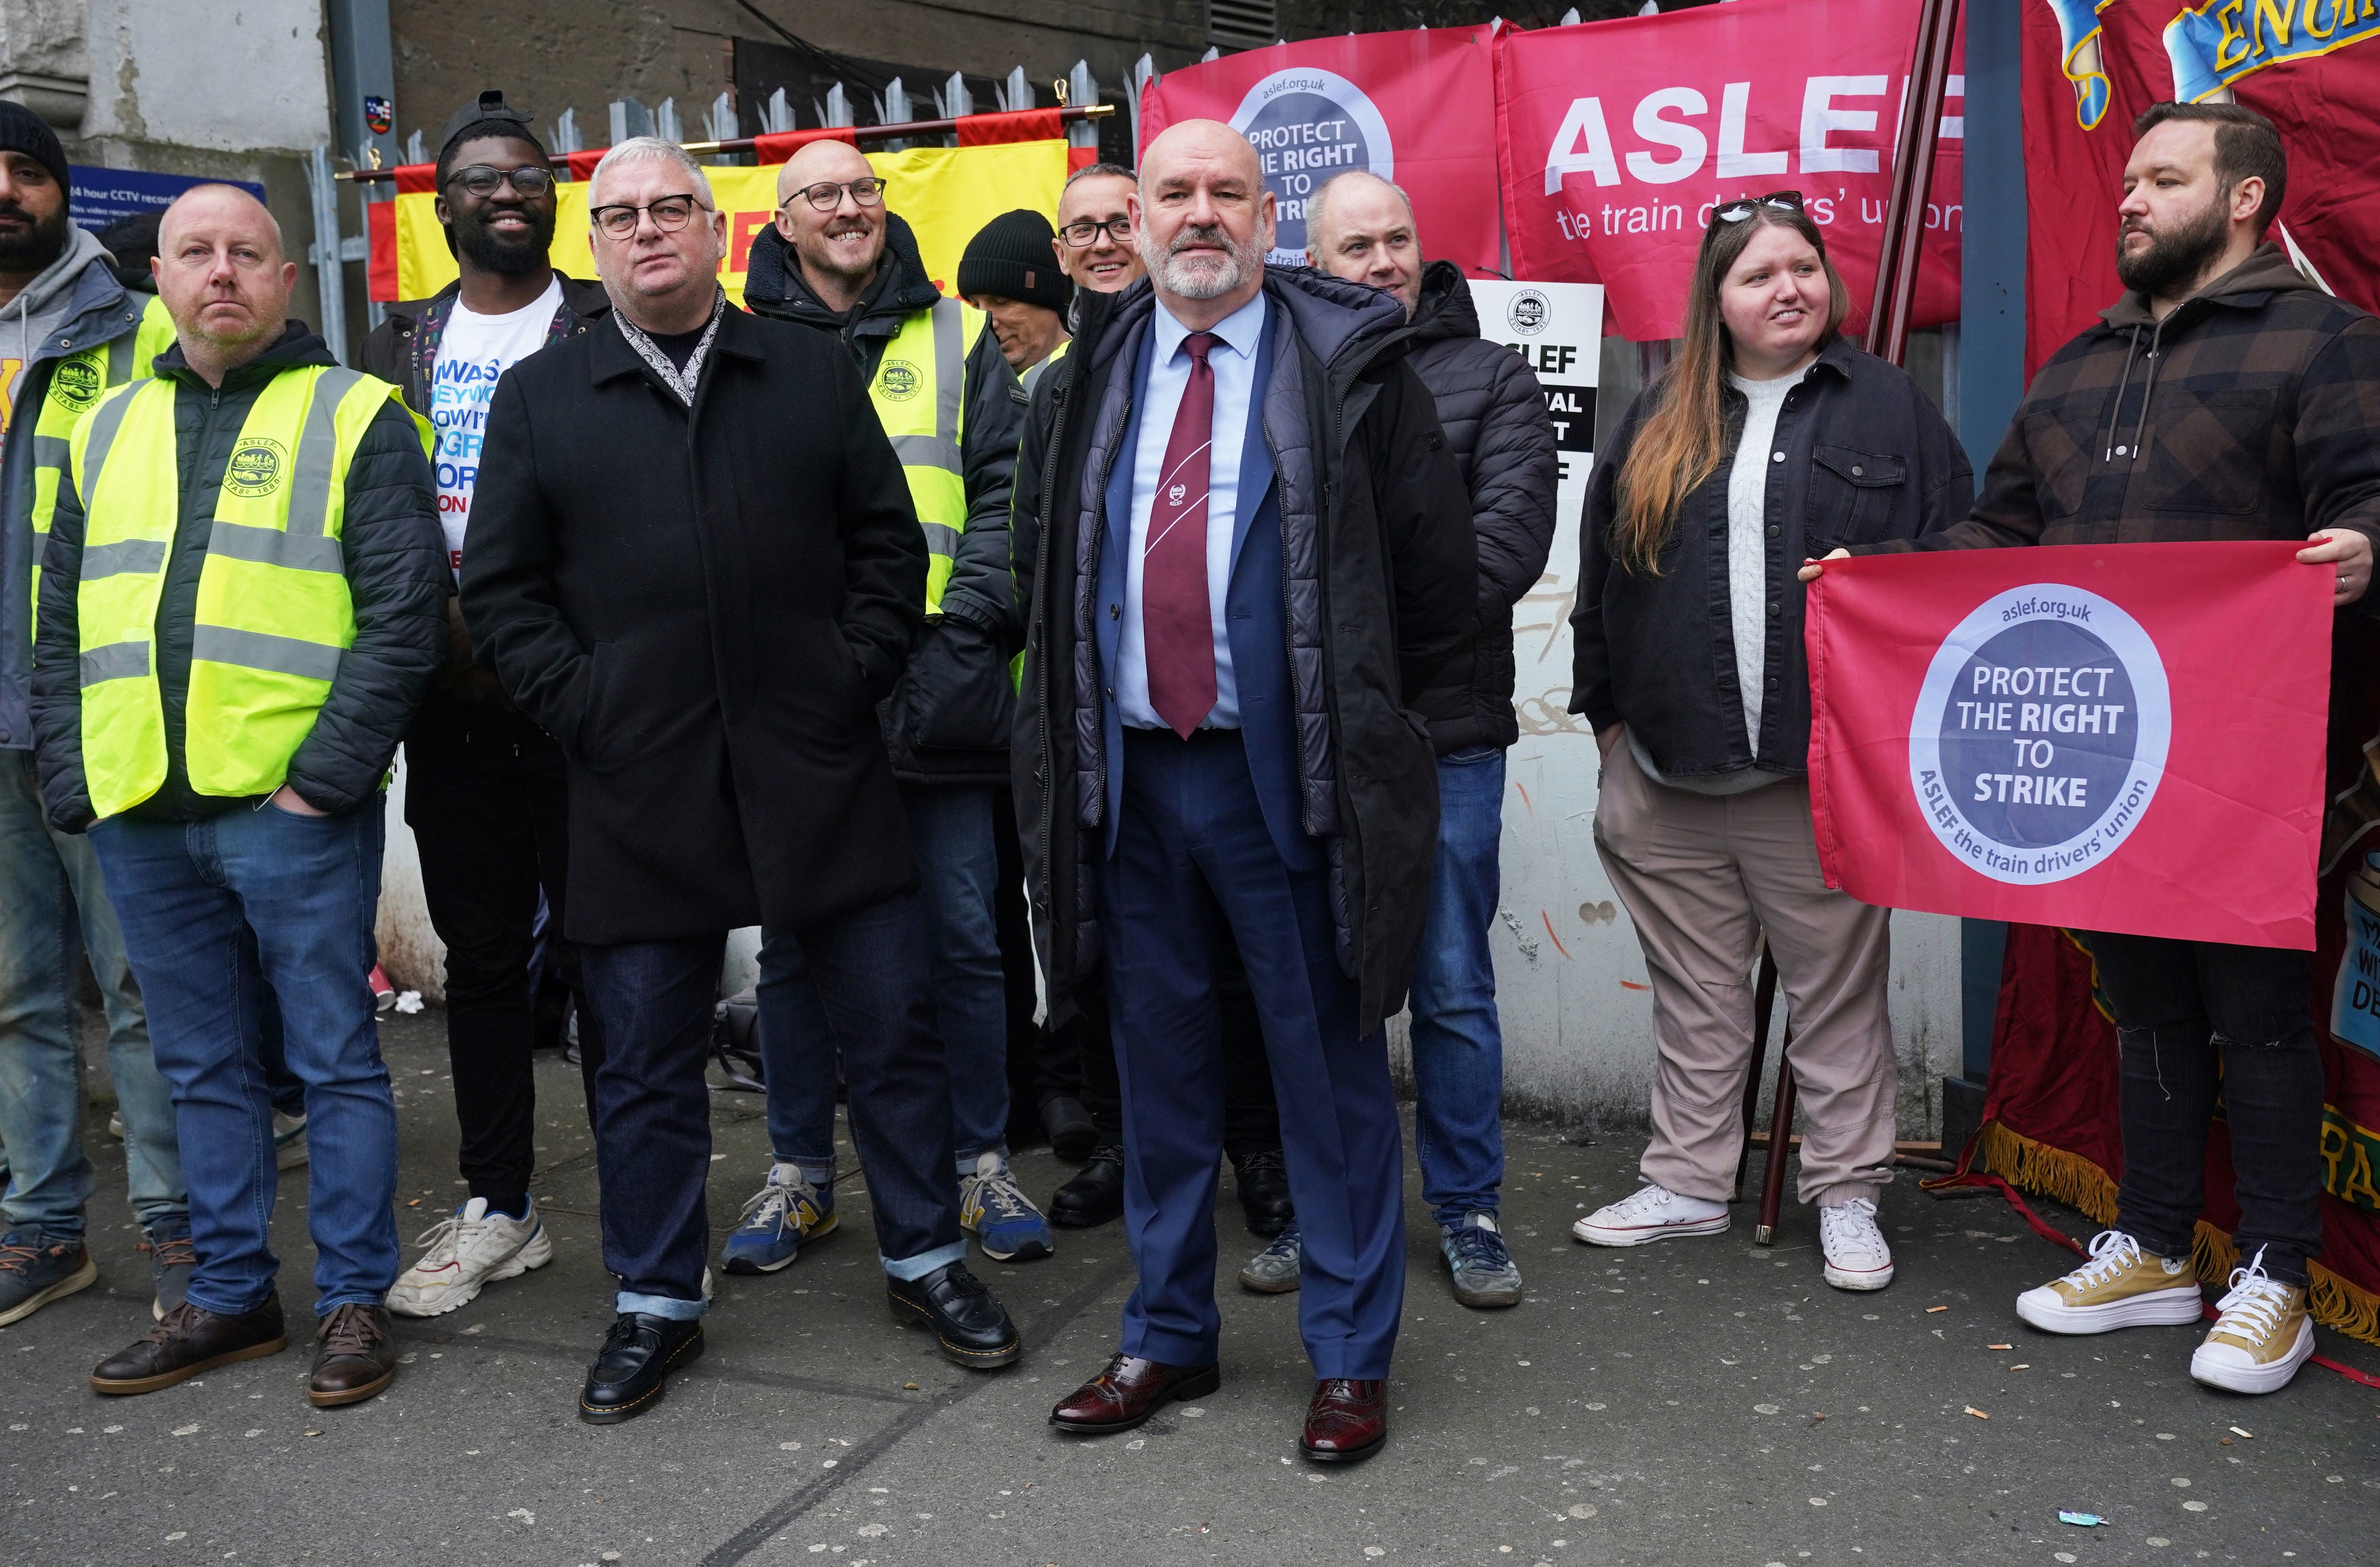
<point x="1775" y="201"/>
<point x="827" y="195"/>
<point x="669" y="215"/>
<point x="480" y="179"/>
<point x="1083" y="233"/>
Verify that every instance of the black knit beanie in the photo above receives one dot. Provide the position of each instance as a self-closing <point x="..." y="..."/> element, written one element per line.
<point x="21" y="130"/>
<point x="1011" y="257"/>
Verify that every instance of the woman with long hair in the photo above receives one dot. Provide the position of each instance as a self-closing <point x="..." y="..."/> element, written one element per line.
<point x="1769" y="440"/>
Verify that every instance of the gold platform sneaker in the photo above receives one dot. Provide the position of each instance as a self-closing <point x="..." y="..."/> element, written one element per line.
<point x="2121" y="1286"/>
<point x="2262" y="1338"/>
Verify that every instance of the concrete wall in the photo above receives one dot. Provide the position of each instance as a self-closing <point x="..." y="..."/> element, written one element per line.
<point x="233" y="91"/>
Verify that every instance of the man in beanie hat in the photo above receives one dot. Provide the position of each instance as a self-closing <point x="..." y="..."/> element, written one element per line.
<point x="68" y="331"/>
<point x="484" y="792"/>
<point x="837" y="262"/>
<point x="1009" y="274"/>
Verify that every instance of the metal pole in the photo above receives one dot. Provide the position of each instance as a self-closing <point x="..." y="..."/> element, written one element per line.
<point x="1913" y="176"/>
<point x="330" y="277"/>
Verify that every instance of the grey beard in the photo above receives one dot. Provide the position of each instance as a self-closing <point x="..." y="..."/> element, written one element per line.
<point x="1191" y="282"/>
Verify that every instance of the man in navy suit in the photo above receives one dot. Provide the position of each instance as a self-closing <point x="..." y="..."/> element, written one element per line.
<point x="1257" y="548"/>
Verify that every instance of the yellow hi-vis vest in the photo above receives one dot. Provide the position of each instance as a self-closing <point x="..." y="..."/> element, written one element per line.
<point x="76" y="383"/>
<point x="920" y="396"/>
<point x="272" y="614"/>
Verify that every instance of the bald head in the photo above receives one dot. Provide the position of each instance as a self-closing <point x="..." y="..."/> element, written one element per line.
<point x="215" y="205"/>
<point x="1360" y="227"/>
<point x="838" y="247"/>
<point x="820" y="160"/>
<point x="1197" y="143"/>
<point x="223" y="276"/>
<point x="1205" y="221"/>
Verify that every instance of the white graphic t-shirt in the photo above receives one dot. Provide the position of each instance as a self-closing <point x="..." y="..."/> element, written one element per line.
<point x="474" y="351"/>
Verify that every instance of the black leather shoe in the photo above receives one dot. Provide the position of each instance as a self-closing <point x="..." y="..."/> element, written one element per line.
<point x="971" y="1328"/>
<point x="631" y="1371"/>
<point x="1263" y="1182"/>
<point x="1095" y="1193"/>
<point x="188" y="1340"/>
<point x="1068" y="1126"/>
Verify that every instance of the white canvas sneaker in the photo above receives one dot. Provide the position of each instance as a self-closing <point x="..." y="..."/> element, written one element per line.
<point x="467" y="1253"/>
<point x="1857" y="1257"/>
<point x="1650" y="1213"/>
<point x="2264" y="1335"/>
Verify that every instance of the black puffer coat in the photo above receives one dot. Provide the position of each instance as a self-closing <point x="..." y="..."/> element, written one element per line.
<point x="1376" y="541"/>
<point x="948" y="722"/>
<point x="1494" y="414"/>
<point x="395" y="569"/>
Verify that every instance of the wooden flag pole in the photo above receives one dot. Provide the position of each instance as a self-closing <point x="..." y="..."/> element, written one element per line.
<point x="1912" y="177"/>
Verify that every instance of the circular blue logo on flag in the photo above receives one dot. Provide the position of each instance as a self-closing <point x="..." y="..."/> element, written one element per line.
<point x="2040" y="734"/>
<point x="1307" y="126"/>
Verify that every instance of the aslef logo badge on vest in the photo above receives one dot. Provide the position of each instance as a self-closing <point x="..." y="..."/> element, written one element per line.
<point x="897" y="378"/>
<point x="256" y="466"/>
<point x="75" y="384"/>
<point x="2040" y="734"/>
<point x="1309" y="126"/>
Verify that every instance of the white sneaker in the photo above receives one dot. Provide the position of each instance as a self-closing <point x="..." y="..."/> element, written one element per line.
<point x="288" y="1141"/>
<point x="465" y="1254"/>
<point x="1651" y="1213"/>
<point x="2121" y="1286"/>
<point x="2264" y="1335"/>
<point x="1857" y="1257"/>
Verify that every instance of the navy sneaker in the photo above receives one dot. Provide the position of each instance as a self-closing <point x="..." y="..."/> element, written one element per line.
<point x="996" y="1211"/>
<point x="779" y="1219"/>
<point x="1480" y="1262"/>
<point x="170" y="1261"/>
<point x="36" y="1269"/>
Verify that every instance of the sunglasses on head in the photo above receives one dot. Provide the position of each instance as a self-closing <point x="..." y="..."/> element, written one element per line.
<point x="1736" y="211"/>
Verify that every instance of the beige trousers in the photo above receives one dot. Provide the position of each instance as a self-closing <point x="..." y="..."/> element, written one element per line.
<point x="1704" y="876"/>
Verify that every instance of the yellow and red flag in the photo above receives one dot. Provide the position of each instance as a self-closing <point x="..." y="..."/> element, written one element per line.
<point x="1002" y="163"/>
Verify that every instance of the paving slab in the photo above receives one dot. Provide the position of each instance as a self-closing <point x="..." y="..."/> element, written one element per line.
<point x="1703" y="1402"/>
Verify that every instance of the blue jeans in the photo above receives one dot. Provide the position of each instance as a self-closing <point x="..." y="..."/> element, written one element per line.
<point x="958" y="860"/>
<point x="1457" y="1048"/>
<point x="653" y="1000"/>
<point x="52" y="898"/>
<point x="213" y="913"/>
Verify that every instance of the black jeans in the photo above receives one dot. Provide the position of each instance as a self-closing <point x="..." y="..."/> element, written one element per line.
<point x="652" y="1104"/>
<point x="485" y="797"/>
<point x="2196" y="1018"/>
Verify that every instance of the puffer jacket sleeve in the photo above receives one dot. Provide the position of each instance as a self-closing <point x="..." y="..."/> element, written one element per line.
<point x="1432" y="552"/>
<point x="57" y="658"/>
<point x="983" y="587"/>
<point x="1514" y="471"/>
<point x="397" y="582"/>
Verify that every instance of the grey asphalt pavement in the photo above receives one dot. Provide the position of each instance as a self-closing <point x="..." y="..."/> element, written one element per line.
<point x="1704" y="1402"/>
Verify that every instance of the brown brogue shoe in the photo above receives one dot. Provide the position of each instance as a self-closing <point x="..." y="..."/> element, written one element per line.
<point x="1128" y="1392"/>
<point x="1348" y="1420"/>
<point x="188" y="1340"/>
<point x="354" y="1356"/>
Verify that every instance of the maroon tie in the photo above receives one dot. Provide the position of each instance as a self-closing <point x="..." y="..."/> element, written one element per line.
<point x="1177" y="626"/>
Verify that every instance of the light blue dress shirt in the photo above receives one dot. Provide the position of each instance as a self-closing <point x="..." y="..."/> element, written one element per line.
<point x="1234" y="360"/>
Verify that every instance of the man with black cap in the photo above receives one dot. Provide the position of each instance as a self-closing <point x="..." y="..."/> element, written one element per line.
<point x="838" y="262"/>
<point x="68" y="331"/>
<point x="483" y="788"/>
<point x="1008" y="274"/>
